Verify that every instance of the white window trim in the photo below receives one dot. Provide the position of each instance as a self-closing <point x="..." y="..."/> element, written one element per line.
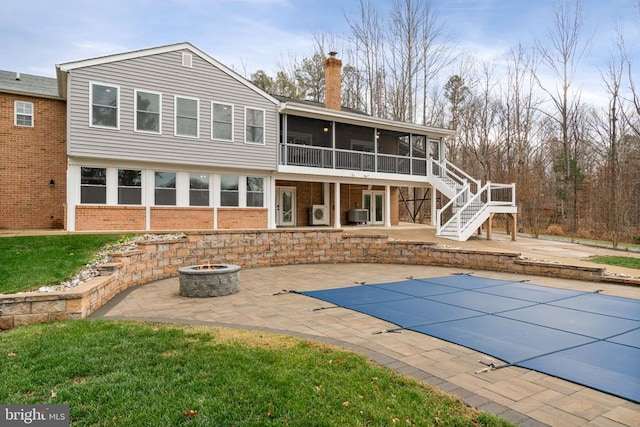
<point x="175" y="116"/>
<point x="232" y="121"/>
<point x="135" y="111"/>
<point x="16" y="114"/>
<point x="264" y="119"/>
<point x="91" y="83"/>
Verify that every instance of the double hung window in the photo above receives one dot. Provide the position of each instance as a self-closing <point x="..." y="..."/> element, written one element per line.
<point x="165" y="188"/>
<point x="129" y="187"/>
<point x="104" y="106"/>
<point x="148" y="106"/>
<point x="255" y="191"/>
<point x="222" y="121"/>
<point x="254" y="126"/>
<point x="23" y="113"/>
<point x="229" y="190"/>
<point x="186" y="116"/>
<point x="198" y="189"/>
<point x="93" y="185"/>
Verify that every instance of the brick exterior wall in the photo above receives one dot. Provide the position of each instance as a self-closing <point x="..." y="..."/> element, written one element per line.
<point x="242" y="218"/>
<point x="179" y="218"/>
<point x="157" y="260"/>
<point x="31" y="158"/>
<point x="108" y="218"/>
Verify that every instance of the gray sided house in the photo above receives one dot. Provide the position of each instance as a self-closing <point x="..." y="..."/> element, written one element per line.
<point x="168" y="138"/>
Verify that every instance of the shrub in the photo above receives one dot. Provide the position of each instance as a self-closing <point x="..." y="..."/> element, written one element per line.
<point x="554" y="230"/>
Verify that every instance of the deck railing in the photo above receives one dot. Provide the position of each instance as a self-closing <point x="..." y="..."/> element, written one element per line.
<point x="320" y="157"/>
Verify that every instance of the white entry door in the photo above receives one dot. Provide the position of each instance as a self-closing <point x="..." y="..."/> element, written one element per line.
<point x="374" y="202"/>
<point x="286" y="206"/>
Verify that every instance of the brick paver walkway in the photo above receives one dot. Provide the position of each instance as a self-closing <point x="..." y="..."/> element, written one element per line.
<point x="521" y="396"/>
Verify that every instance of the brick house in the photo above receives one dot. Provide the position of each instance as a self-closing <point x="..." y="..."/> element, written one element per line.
<point x="168" y="138"/>
<point x="33" y="149"/>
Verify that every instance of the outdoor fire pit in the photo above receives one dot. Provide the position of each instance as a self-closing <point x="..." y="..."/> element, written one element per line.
<point x="209" y="280"/>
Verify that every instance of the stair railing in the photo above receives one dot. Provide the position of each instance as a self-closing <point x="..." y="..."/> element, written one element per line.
<point x="475" y="183"/>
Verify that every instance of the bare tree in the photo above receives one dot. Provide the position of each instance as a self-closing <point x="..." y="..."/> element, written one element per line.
<point x="561" y="52"/>
<point x="368" y="51"/>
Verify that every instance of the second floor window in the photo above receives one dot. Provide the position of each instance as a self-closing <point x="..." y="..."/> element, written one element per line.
<point x="186" y="111"/>
<point x="254" y="126"/>
<point x="148" y="111"/>
<point x="104" y="105"/>
<point x="222" y="121"/>
<point x="23" y="113"/>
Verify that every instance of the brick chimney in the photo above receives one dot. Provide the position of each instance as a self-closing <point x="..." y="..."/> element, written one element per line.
<point x="332" y="82"/>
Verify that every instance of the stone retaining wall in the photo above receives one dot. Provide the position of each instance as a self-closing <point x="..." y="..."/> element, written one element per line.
<point x="269" y="248"/>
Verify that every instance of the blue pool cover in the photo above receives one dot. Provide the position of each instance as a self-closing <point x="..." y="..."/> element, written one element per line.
<point x="587" y="338"/>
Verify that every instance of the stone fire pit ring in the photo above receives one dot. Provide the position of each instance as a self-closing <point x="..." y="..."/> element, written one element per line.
<point x="209" y="280"/>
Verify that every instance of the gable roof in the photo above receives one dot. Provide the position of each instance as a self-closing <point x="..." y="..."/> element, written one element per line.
<point x="63" y="69"/>
<point x="27" y="84"/>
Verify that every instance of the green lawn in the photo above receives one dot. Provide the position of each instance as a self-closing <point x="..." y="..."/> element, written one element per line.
<point x="137" y="374"/>
<point x="29" y="262"/>
<point x="620" y="261"/>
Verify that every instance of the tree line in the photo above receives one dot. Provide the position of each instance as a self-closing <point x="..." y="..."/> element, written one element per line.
<point x="576" y="164"/>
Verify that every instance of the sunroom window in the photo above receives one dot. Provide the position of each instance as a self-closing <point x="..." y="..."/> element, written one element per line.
<point x="255" y="191"/>
<point x="104" y="105"/>
<point x="198" y="189"/>
<point x="129" y="187"/>
<point x="93" y="185"/>
<point x="165" y="188"/>
<point x="229" y="190"/>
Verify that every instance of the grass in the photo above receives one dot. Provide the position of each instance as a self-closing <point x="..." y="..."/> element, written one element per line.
<point x="137" y="374"/>
<point x="28" y="262"/>
<point x="620" y="261"/>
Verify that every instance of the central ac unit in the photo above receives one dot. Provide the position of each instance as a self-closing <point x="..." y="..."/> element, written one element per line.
<point x="318" y="215"/>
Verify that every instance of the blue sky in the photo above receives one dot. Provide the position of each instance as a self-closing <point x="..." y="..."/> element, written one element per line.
<point x="262" y="34"/>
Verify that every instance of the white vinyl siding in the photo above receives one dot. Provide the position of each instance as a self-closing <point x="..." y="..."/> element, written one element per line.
<point x="105" y="106"/>
<point x="222" y="121"/>
<point x="148" y="114"/>
<point x="254" y="125"/>
<point x="23" y="113"/>
<point x="187" y="116"/>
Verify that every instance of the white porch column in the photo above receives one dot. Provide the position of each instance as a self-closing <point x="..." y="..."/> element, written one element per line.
<point x="271" y="203"/>
<point x="433" y="206"/>
<point x="387" y="206"/>
<point x="336" y="205"/>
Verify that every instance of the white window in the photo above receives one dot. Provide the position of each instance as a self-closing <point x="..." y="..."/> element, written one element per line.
<point x="165" y="188"/>
<point x="254" y="126"/>
<point x="148" y="111"/>
<point x="229" y="190"/>
<point x="23" y="113"/>
<point x="105" y="101"/>
<point x="187" y="116"/>
<point x="198" y="189"/>
<point x="222" y="121"/>
<point x="129" y="187"/>
<point x="93" y="185"/>
<point x="255" y="191"/>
